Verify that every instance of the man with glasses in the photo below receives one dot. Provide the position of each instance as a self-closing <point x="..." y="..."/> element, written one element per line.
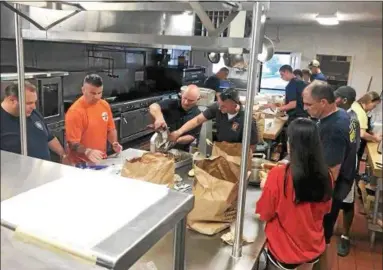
<point x="229" y="117"/>
<point x="173" y="113"/>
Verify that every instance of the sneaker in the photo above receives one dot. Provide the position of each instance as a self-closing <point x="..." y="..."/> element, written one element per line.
<point x="344" y="246"/>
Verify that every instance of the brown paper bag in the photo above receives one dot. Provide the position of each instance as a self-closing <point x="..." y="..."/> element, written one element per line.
<point x="215" y="189"/>
<point x="231" y="152"/>
<point x="260" y="120"/>
<point x="156" y="168"/>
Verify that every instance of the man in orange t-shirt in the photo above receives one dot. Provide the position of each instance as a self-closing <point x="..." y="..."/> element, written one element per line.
<point x="89" y="124"/>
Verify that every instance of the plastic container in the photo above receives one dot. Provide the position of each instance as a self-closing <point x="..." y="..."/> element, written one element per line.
<point x="207" y="96"/>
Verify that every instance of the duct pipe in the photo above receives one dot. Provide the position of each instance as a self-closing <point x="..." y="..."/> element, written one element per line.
<point x="20" y="76"/>
<point x="252" y="88"/>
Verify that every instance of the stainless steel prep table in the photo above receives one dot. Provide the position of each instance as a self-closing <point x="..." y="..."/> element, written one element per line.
<point x="123" y="248"/>
<point x="202" y="251"/>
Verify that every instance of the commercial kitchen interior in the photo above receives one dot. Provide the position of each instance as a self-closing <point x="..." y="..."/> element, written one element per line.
<point x="140" y="75"/>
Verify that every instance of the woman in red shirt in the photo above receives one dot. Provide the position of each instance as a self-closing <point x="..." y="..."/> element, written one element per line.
<point x="294" y="200"/>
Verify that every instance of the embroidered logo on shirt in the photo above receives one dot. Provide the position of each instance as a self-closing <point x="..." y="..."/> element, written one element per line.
<point x="234" y="126"/>
<point x="104" y="116"/>
<point x="39" y="125"/>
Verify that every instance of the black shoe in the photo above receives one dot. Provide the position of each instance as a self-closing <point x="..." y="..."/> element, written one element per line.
<point x="343" y="246"/>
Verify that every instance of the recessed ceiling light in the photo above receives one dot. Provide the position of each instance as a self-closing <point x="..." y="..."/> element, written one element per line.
<point x="327" y="19"/>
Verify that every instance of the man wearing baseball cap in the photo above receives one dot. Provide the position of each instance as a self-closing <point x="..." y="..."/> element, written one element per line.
<point x="229" y="116"/>
<point x="345" y="97"/>
<point x="316" y="73"/>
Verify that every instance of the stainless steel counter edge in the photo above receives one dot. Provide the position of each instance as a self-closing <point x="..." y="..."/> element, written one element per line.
<point x="115" y="251"/>
<point x="20" y="174"/>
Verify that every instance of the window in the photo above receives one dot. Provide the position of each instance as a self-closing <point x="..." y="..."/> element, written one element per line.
<point x="270" y="78"/>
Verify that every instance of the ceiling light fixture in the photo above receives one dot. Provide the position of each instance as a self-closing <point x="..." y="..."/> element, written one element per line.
<point x="327" y="19"/>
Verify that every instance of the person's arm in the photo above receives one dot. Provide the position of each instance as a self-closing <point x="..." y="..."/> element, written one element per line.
<point x="192" y="124"/>
<point x="369" y="137"/>
<point x="56" y="147"/>
<point x="267" y="204"/>
<point x="112" y="132"/>
<point x="73" y="131"/>
<point x="206" y="115"/>
<point x="185" y="139"/>
<point x="334" y="148"/>
<point x="157" y="110"/>
<point x="291" y="97"/>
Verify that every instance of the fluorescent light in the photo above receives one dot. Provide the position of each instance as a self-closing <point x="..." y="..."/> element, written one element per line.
<point x="327" y="20"/>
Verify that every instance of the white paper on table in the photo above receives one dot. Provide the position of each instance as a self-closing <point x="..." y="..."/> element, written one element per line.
<point x="82" y="209"/>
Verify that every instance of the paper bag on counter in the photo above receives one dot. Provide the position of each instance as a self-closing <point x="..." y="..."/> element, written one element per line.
<point x="260" y="120"/>
<point x="156" y="168"/>
<point x="231" y="152"/>
<point x="215" y="189"/>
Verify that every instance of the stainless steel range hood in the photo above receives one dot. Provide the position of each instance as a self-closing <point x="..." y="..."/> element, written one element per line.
<point x="156" y="24"/>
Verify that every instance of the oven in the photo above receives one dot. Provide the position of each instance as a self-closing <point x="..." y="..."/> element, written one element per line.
<point x="49" y="89"/>
<point x="132" y="118"/>
<point x="50" y="102"/>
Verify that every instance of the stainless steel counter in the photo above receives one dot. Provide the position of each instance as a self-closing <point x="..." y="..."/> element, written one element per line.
<point x="122" y="249"/>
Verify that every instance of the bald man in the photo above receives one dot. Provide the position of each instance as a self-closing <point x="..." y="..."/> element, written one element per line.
<point x="174" y="113"/>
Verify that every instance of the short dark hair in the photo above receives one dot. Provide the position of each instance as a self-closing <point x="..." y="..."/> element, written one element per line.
<point x="285" y="68"/>
<point x="322" y="91"/>
<point x="93" y="79"/>
<point x="298" y="72"/>
<point x="13" y="89"/>
<point x="224" y="69"/>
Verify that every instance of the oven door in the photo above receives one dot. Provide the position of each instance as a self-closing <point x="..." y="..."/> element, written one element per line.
<point x="134" y="124"/>
<point x="51" y="100"/>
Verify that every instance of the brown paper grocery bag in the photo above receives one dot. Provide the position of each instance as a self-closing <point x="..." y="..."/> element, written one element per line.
<point x="156" y="168"/>
<point x="231" y="152"/>
<point x="260" y="120"/>
<point x="215" y="189"/>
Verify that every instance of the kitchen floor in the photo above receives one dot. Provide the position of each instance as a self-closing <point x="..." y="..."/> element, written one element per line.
<point x="361" y="257"/>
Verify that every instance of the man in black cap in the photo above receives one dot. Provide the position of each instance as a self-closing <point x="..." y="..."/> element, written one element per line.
<point x="316" y="73"/>
<point x="345" y="97"/>
<point x="229" y="116"/>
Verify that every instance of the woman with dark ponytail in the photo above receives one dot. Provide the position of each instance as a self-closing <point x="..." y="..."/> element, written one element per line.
<point x="295" y="198"/>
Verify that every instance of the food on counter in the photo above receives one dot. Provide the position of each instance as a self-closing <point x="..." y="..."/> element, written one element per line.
<point x="177" y="178"/>
<point x="191" y="173"/>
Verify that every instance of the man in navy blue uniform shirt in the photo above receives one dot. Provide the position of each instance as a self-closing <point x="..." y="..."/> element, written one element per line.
<point x="39" y="138"/>
<point x="345" y="97"/>
<point x="214" y="81"/>
<point x="293" y="94"/>
<point x="339" y="150"/>
<point x="316" y="73"/>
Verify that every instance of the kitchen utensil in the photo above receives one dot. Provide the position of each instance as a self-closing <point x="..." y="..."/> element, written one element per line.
<point x="257" y="160"/>
<point x="267" y="50"/>
<point x="214" y="57"/>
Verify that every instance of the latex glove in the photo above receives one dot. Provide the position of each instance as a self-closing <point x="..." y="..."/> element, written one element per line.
<point x="94" y="156"/>
<point x="160" y="124"/>
<point x="116" y="147"/>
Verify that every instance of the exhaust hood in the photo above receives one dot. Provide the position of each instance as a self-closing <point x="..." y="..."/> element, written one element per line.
<point x="156" y="24"/>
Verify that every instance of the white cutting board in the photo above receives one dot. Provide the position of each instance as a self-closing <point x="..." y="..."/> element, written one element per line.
<point x="82" y="209"/>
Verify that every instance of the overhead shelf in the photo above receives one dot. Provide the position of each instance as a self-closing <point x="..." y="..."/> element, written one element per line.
<point x="141" y="40"/>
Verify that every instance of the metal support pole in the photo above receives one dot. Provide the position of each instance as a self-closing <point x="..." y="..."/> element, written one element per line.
<point x="252" y="88"/>
<point x="20" y="74"/>
<point x="179" y="245"/>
